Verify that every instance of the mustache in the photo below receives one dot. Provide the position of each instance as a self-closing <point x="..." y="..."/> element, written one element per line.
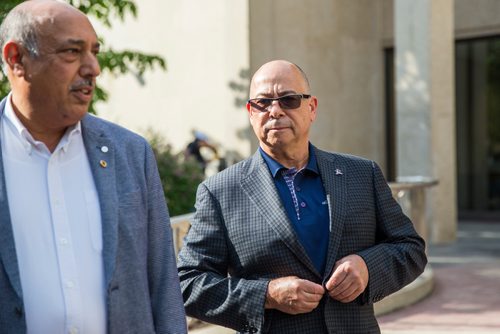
<point x="84" y="83"/>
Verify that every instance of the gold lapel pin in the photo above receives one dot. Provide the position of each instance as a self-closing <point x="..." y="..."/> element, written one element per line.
<point x="103" y="163"/>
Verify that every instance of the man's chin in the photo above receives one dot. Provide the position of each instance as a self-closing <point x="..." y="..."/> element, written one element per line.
<point x="75" y="115"/>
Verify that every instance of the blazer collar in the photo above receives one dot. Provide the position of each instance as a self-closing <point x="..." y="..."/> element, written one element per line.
<point x="101" y="154"/>
<point x="7" y="245"/>
<point x="259" y="186"/>
<point x="334" y="176"/>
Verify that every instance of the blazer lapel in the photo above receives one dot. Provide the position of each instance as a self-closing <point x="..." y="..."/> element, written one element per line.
<point x="259" y="187"/>
<point x="100" y="152"/>
<point x="334" y="177"/>
<point x="7" y="244"/>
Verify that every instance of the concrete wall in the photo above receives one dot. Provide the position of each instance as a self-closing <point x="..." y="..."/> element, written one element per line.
<point x="205" y="44"/>
<point x="338" y="44"/>
<point x="478" y="18"/>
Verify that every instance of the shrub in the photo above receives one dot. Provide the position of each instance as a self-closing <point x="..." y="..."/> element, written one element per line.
<point x="180" y="177"/>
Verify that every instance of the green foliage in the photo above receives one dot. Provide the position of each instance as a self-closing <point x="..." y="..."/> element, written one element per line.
<point x="179" y="176"/>
<point x="104" y="9"/>
<point x="111" y="61"/>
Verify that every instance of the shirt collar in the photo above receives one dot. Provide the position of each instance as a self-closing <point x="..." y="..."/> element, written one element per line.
<point x="28" y="141"/>
<point x="275" y="166"/>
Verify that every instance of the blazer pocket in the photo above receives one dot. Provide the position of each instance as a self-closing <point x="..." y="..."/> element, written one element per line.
<point x="130" y="199"/>
<point x="131" y="210"/>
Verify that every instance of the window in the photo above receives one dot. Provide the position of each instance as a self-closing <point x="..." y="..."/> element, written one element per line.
<point x="477" y="87"/>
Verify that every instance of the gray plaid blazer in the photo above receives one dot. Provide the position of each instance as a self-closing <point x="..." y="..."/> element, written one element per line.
<point x="143" y="293"/>
<point x="241" y="238"/>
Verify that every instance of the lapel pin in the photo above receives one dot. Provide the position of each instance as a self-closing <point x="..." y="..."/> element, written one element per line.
<point x="103" y="163"/>
<point x="104" y="149"/>
<point x="338" y="172"/>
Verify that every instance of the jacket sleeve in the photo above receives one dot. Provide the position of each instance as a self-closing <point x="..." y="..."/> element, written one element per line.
<point x="209" y="293"/>
<point x="166" y="299"/>
<point x="398" y="257"/>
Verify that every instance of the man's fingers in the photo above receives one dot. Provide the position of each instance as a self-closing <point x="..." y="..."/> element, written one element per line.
<point x="349" y="279"/>
<point x="313" y="288"/>
<point x="293" y="295"/>
<point x="311" y="297"/>
<point x="343" y="291"/>
<point x="304" y="306"/>
<point x="336" y="279"/>
<point x="349" y="295"/>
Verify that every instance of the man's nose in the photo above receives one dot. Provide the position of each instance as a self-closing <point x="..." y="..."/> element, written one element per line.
<point x="90" y="66"/>
<point x="275" y="110"/>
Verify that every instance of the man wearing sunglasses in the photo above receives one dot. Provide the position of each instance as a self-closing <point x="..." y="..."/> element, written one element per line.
<point x="295" y="239"/>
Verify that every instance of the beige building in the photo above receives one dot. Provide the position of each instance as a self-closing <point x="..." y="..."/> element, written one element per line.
<point x="414" y="85"/>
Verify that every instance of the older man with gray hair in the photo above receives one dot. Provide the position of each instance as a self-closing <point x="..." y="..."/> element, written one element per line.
<point x="85" y="240"/>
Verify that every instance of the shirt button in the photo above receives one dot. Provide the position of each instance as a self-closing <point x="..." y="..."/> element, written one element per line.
<point x="303" y="204"/>
<point x="64" y="241"/>
<point x="73" y="330"/>
<point x="298" y="189"/>
<point x="70" y="284"/>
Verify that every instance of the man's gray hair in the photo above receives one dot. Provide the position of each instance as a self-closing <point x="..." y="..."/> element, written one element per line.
<point x="20" y="26"/>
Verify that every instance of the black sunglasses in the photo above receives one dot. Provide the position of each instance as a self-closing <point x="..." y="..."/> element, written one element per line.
<point x="291" y="101"/>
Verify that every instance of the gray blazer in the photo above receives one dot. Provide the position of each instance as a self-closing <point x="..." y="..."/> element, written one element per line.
<point x="143" y="294"/>
<point x="241" y="228"/>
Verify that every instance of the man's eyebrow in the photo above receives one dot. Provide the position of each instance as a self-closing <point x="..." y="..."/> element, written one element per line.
<point x="81" y="42"/>
<point x="74" y="41"/>
<point x="286" y="92"/>
<point x="282" y="93"/>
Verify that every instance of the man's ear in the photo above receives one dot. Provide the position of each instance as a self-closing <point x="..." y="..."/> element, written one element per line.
<point x="249" y="108"/>
<point x="13" y="58"/>
<point x="313" y="106"/>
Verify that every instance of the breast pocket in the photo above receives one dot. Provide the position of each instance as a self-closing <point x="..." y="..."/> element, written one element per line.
<point x="94" y="219"/>
<point x="132" y="211"/>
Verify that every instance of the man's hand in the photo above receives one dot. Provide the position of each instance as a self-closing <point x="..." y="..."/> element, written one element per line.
<point x="349" y="279"/>
<point x="293" y="295"/>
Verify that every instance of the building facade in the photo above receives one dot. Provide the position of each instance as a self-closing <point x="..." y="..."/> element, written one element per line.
<point x="413" y="85"/>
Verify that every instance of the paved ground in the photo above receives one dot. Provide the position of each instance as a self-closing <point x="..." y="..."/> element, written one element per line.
<point x="466" y="297"/>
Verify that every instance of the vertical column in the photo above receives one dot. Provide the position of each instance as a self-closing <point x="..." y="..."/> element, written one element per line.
<point x="413" y="88"/>
<point x="425" y="104"/>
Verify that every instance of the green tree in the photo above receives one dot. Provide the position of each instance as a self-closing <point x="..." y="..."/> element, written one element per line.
<point x="116" y="62"/>
<point x="179" y="177"/>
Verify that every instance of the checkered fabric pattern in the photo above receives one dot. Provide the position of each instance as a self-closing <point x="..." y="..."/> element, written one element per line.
<point x="241" y="238"/>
